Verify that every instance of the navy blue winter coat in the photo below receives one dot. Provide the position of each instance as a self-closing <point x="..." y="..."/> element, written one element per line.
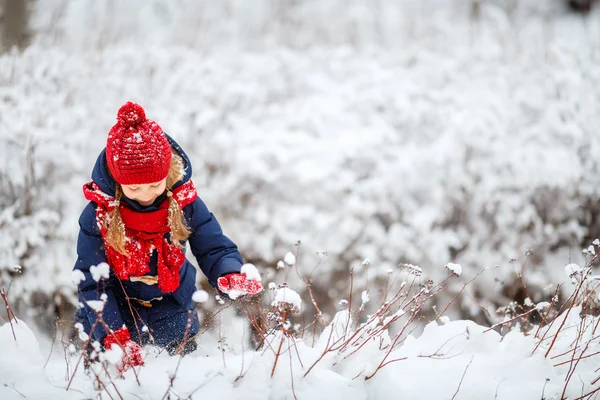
<point x="216" y="255"/>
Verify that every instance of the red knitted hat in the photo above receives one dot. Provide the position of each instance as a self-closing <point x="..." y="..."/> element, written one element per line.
<point x="137" y="149"/>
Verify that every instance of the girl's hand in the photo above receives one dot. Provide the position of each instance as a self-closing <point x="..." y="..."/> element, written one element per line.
<point x="132" y="354"/>
<point x="236" y="285"/>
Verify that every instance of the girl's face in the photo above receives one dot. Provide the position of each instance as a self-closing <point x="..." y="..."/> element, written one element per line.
<point x="145" y="194"/>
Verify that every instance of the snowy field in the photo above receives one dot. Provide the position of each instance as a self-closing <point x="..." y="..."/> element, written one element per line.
<point x="421" y="132"/>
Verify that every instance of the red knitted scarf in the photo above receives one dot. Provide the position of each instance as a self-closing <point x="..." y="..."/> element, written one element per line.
<point x="144" y="232"/>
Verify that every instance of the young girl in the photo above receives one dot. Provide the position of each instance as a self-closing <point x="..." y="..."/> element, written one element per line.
<point x="143" y="208"/>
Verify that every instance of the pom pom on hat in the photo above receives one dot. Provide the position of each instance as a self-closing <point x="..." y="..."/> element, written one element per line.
<point x="137" y="149"/>
<point x="130" y="114"/>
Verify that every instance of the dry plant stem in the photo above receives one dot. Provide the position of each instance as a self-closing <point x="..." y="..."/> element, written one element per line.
<point x="213" y="316"/>
<point x="545" y="317"/>
<point x="67" y="373"/>
<point x="221" y="341"/>
<point x="277" y="356"/>
<point x="463" y="377"/>
<point x="383" y="311"/>
<point x="87" y="343"/>
<point x="588" y="394"/>
<point x="524" y="285"/>
<point x="9" y="313"/>
<point x="52" y="344"/>
<point x="203" y="383"/>
<point x="292" y="377"/>
<point x="241" y="374"/>
<point x="392" y="346"/>
<point x="541" y="340"/>
<point x="574" y="350"/>
<point x="459" y="293"/>
<point x="526" y="313"/>
<point x="180" y="352"/>
<point x="572" y="366"/>
<point x="130" y="309"/>
<point x="325" y="351"/>
<point x="569" y="309"/>
<point x="581" y="356"/>
<point x="103" y="386"/>
<point x="297" y="353"/>
<point x="112" y="383"/>
<point x="308" y="284"/>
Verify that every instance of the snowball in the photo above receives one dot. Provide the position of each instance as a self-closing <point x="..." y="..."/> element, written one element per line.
<point x="456" y="269"/>
<point x="77" y="277"/>
<point x="219" y="300"/>
<point x="280" y="265"/>
<point x="573" y="269"/>
<point x="528" y="302"/>
<point x="272" y="286"/>
<point x="96" y="305"/>
<point x="365" y="297"/>
<point x="343" y="302"/>
<point x="287" y="295"/>
<point x="289" y="259"/>
<point x="200" y="296"/>
<point x="18" y="268"/>
<point x="145" y="327"/>
<point x="251" y="272"/>
<point x="100" y="271"/>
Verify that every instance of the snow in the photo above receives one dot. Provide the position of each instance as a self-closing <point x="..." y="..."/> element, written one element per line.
<point x="251" y="272"/>
<point x="96" y="305"/>
<point x="100" y="271"/>
<point x="364" y="296"/>
<point x="81" y="332"/>
<point x="456" y="269"/>
<point x="459" y="356"/>
<point x="287" y="296"/>
<point x="289" y="259"/>
<point x="573" y="270"/>
<point x="200" y="296"/>
<point x="77" y="277"/>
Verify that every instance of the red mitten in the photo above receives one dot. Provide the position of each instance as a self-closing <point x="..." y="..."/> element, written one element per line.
<point x="236" y="285"/>
<point x="132" y="354"/>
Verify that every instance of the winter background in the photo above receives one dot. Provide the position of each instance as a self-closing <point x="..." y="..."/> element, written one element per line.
<point x="374" y="141"/>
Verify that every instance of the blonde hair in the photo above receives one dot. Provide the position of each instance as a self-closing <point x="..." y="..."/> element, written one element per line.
<point x="115" y="235"/>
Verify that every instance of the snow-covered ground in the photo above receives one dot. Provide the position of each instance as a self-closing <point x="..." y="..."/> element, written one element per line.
<point x="449" y="360"/>
<point x="425" y="132"/>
